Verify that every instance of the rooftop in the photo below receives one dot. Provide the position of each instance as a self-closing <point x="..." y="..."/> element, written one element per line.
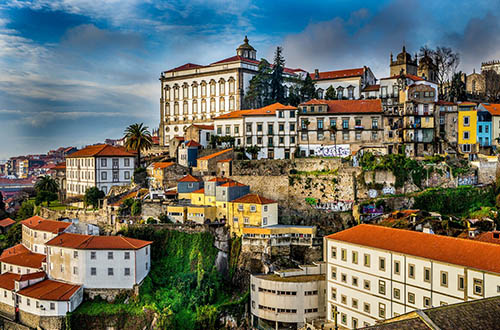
<point x="349" y="106"/>
<point x="50" y="290"/>
<point x="299" y="278"/>
<point x="232" y="184"/>
<point x="269" y="110"/>
<point x="192" y="143"/>
<point x="90" y="242"/>
<point x="337" y="74"/>
<point x="492" y="108"/>
<point x="26" y="259"/>
<point x="162" y="165"/>
<point x="39" y="223"/>
<point x="6" y="222"/>
<point x="206" y="127"/>
<point x="371" y="88"/>
<point x="215" y="154"/>
<point x="14" y="250"/>
<point x="409" y="76"/>
<point x="489" y="237"/>
<point x="8" y="280"/>
<point x="253" y="199"/>
<point x="189" y="178"/>
<point x="101" y="150"/>
<point x="457" y="251"/>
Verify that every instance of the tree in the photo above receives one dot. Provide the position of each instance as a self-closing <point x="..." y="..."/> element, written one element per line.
<point x="92" y="196"/>
<point x="3" y="212"/>
<point x="136" y="208"/>
<point x="307" y="89"/>
<point x="492" y="85"/>
<point x="46" y="183"/>
<point x="14" y="235"/>
<point x="253" y="150"/>
<point x="45" y="196"/>
<point x="277" y="87"/>
<point x="138" y="138"/>
<point x="26" y="210"/>
<point x="446" y="61"/>
<point x="330" y="94"/>
<point x="293" y="96"/>
<point x="457" y="88"/>
<point x="258" y="89"/>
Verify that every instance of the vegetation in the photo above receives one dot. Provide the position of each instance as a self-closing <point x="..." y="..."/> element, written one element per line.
<point x="140" y="176"/>
<point x="45" y="196"/>
<point x="3" y="213"/>
<point x="446" y="61"/>
<point x="308" y="89"/>
<point x="253" y="150"/>
<point x="138" y="138"/>
<point x="92" y="196"/>
<point x="46" y="190"/>
<point x="330" y="93"/>
<point x="27" y="210"/>
<point x="277" y="86"/>
<point x="258" y="89"/>
<point x="457" y="89"/>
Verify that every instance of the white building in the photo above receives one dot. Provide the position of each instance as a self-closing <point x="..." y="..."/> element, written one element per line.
<point x="97" y="262"/>
<point x="376" y="272"/>
<point x="272" y="128"/>
<point x="286" y="299"/>
<point x="36" y="231"/>
<point x="194" y="93"/>
<point x="102" y="166"/>
<point x="348" y="84"/>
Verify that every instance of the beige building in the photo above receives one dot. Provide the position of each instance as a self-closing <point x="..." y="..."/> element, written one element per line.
<point x="348" y="84"/>
<point x="339" y="128"/>
<point x="36" y="231"/>
<point x="286" y="299"/>
<point x="208" y="164"/>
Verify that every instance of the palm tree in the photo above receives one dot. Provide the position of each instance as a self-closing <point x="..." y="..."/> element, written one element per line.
<point x="138" y="138"/>
<point x="47" y="183"/>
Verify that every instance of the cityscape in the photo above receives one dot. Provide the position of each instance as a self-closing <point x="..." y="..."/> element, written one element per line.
<point x="341" y="172"/>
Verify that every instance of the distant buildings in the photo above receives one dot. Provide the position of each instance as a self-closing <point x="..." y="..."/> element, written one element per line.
<point x="348" y="84"/>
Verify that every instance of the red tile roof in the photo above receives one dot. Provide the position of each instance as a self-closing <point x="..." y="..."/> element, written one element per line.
<point x="236" y="58"/>
<point x="199" y="191"/>
<point x="457" y="251"/>
<point x="39" y="223"/>
<point x="253" y="199"/>
<point x="492" y="108"/>
<point x="489" y="237"/>
<point x="8" y="280"/>
<point x="207" y="127"/>
<point x="349" y="106"/>
<point x="162" y="165"/>
<point x="371" y="88"/>
<point x="90" y="242"/>
<point x="102" y="150"/>
<point x="189" y="178"/>
<point x="215" y="154"/>
<point x="441" y="102"/>
<point x="269" y="110"/>
<point x="217" y="179"/>
<point x="232" y="184"/>
<point x="6" y="222"/>
<point x="50" y="290"/>
<point x="410" y="76"/>
<point x="28" y="259"/>
<point x="14" y="250"/>
<point x="180" y="138"/>
<point x="338" y="74"/>
<point x="186" y="66"/>
<point x="225" y="160"/>
<point x="192" y="143"/>
<point x="233" y="114"/>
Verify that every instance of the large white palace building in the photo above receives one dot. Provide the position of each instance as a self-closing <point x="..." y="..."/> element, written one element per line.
<point x="376" y="273"/>
<point x="194" y="93"/>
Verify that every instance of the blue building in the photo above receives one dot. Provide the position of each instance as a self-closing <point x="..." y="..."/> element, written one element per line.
<point x="188" y="184"/>
<point x="188" y="153"/>
<point x="484" y="128"/>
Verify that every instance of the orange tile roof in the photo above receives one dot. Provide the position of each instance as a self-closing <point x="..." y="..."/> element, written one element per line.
<point x="467" y="103"/>
<point x="492" y="108"/>
<point x="215" y="154"/>
<point x="14" y="250"/>
<point x="253" y="199"/>
<point x="192" y="143"/>
<point x="101" y="150"/>
<point x="207" y="127"/>
<point x="232" y="184"/>
<point x="269" y="110"/>
<point x="189" y="178"/>
<point x="371" y="88"/>
<point x="39" y="223"/>
<point x="199" y="191"/>
<point x="338" y="74"/>
<point x="224" y="160"/>
<point x="90" y="242"/>
<point x="490" y="237"/>
<point x="6" y="222"/>
<point x="442" y="102"/>
<point x="349" y="106"/>
<point x="50" y="290"/>
<point x="8" y="280"/>
<point x="217" y="179"/>
<point x="233" y="114"/>
<point x="28" y="259"/>
<point x="186" y="66"/>
<point x="59" y="166"/>
<point x="162" y="165"/>
<point x="457" y="251"/>
<point x="411" y="76"/>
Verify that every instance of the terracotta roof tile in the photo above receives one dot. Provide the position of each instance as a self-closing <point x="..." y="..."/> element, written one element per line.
<point x="189" y="178"/>
<point x="59" y="166"/>
<point x="225" y="160"/>
<point x="14" y="250"/>
<point x="338" y="74"/>
<point x="162" y="165"/>
<point x="8" y="280"/>
<point x="232" y="184"/>
<point x="235" y="59"/>
<point x="50" y="290"/>
<point x="253" y="199"/>
<point x="489" y="237"/>
<point x="28" y="259"/>
<point x="371" y="88"/>
<point x="101" y="150"/>
<point x="207" y="127"/>
<point x="6" y="222"/>
<point x="192" y="143"/>
<point x="217" y="179"/>
<point x="90" y="242"/>
<point x="442" y="102"/>
<point x="269" y="110"/>
<point x="349" y="106"/>
<point x="492" y="108"/>
<point x="199" y="191"/>
<point x="464" y="252"/>
<point x="39" y="223"/>
<point x="215" y="154"/>
<point x="187" y="66"/>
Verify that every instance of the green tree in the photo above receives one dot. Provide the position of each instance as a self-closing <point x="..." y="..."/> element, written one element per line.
<point x="3" y="212"/>
<point x="277" y="87"/>
<point x="293" y="96"/>
<point x="26" y="210"/>
<point x="253" y="150"/>
<point x="258" y="88"/>
<point x="136" y="208"/>
<point x="307" y="89"/>
<point x="92" y="196"/>
<point x="138" y="138"/>
<point x="46" y="183"/>
<point x="140" y="176"/>
<point x="457" y="89"/>
<point x="14" y="235"/>
<point x="330" y="93"/>
<point x="45" y="196"/>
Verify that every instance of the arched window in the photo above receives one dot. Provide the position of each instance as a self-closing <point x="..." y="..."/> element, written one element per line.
<point x="194" y="90"/>
<point x="185" y="108"/>
<point x="473" y="86"/>
<point x="212" y="105"/>
<point x="340" y="92"/>
<point x="195" y="106"/>
<point x="222" y="87"/>
<point x="203" y="106"/>
<point x="176" y="92"/>
<point x="176" y="109"/>
<point x="203" y="89"/>
<point x="185" y="93"/>
<point x="167" y="92"/>
<point x="212" y="88"/>
<point x="167" y="109"/>
<point x="231" y="85"/>
<point x="231" y="103"/>
<point x="222" y="105"/>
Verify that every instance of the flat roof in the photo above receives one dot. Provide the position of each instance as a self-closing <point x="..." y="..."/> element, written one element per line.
<point x="299" y="278"/>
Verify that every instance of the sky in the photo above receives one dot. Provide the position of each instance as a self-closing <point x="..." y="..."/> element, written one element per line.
<point x="75" y="72"/>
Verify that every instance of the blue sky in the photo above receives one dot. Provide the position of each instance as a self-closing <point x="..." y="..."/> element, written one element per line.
<point x="74" y="72"/>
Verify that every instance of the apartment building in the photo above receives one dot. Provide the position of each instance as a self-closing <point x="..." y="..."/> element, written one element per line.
<point x="102" y="166"/>
<point x="348" y="83"/>
<point x="252" y="210"/>
<point x="36" y="231"/>
<point x="448" y="124"/>
<point x="339" y="127"/>
<point x="286" y="299"/>
<point x="376" y="272"/>
<point x="494" y="110"/>
<point x="467" y="130"/>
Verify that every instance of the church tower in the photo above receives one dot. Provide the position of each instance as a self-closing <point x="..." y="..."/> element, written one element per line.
<point x="405" y="62"/>
<point x="427" y="69"/>
<point x="246" y="51"/>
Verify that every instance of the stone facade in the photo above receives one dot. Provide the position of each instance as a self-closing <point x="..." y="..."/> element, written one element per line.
<point x="41" y="322"/>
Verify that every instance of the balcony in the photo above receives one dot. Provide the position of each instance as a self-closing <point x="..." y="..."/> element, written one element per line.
<point x="359" y="127"/>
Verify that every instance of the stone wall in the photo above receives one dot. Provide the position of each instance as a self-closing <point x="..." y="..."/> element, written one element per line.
<point x="7" y="311"/>
<point x="106" y="294"/>
<point x="99" y="217"/>
<point x="283" y="166"/>
<point x="10" y="325"/>
<point x="153" y="208"/>
<point x="41" y="322"/>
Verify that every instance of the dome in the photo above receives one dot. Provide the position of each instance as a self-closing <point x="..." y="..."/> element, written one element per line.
<point x="403" y="55"/>
<point x="245" y="45"/>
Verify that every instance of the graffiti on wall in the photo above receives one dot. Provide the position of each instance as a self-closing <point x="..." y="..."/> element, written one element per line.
<point x="388" y="190"/>
<point x="371" y="211"/>
<point x="341" y="150"/>
<point x="332" y="206"/>
<point x="467" y="180"/>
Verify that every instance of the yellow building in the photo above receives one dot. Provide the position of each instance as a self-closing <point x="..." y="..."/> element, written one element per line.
<point x="201" y="213"/>
<point x="467" y="134"/>
<point x="156" y="171"/>
<point x="251" y="210"/>
<point x="177" y="213"/>
<point x="198" y="197"/>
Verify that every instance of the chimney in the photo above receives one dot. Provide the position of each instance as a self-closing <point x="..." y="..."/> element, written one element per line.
<point x="316" y="73"/>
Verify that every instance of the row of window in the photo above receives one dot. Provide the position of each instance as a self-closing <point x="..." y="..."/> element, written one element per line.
<point x="333" y="136"/>
<point x="174" y="111"/>
<point x="320" y="123"/>
<point x="270" y="140"/>
<point x="52" y="305"/>
<point x="194" y="89"/>
<point x="93" y="254"/>
<point x="90" y="162"/>
<point x="259" y="127"/>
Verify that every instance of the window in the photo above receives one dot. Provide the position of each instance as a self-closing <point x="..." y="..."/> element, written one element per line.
<point x="343" y="318"/>
<point x="334" y="294"/>
<point x="75" y="270"/>
<point x="333" y="252"/>
<point x="264" y="221"/>
<point x="28" y="301"/>
<point x="104" y="162"/>
<point x="110" y="271"/>
<point x="381" y="310"/>
<point x="52" y="306"/>
<point x="320" y="123"/>
<point x="427" y="274"/>
<point x="259" y="127"/>
<point x="345" y="135"/>
<point x="354" y="303"/>
<point x="366" y="307"/>
<point x="427" y="302"/>
<point x="461" y="282"/>
<point x="381" y="263"/>
<point x="411" y="298"/>
<point x="478" y="287"/>
<point x="321" y="136"/>
<point x="397" y="265"/>
<point x="343" y="278"/>
<point x="253" y="208"/>
<point x="354" y="281"/>
<point x="381" y="286"/>
<point x="334" y="273"/>
<point x="304" y="122"/>
<point x="466" y="120"/>
<point x="303" y="136"/>
<point x="466" y="135"/>
<point x="75" y="254"/>
<point x="93" y="255"/>
<point x="444" y="279"/>
<point x="104" y="176"/>
<point x="343" y="254"/>
<point x="358" y="135"/>
<point x="127" y="271"/>
<point x="292" y="127"/>
<point x="354" y="257"/>
<point x="37" y="304"/>
<point x="397" y="293"/>
<point x="126" y="162"/>
<point x="110" y="255"/>
<point x="127" y="255"/>
<point x="345" y="123"/>
<point x="343" y="299"/>
<point x="93" y="271"/>
<point x="411" y="271"/>
<point x="366" y="284"/>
